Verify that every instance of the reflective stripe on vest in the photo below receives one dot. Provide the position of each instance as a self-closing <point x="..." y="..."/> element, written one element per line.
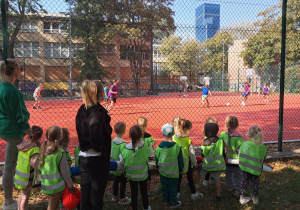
<point x="21" y="174"/>
<point x="233" y="152"/>
<point x="168" y="172"/>
<point x="51" y="176"/>
<point x="168" y="164"/>
<point x="252" y="158"/>
<point x="19" y="182"/>
<point x="216" y="165"/>
<point x="212" y="158"/>
<point x="136" y="168"/>
<point x="248" y="165"/>
<point x="53" y="187"/>
<point x="138" y="176"/>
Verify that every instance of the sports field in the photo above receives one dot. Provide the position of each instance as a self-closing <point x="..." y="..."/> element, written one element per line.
<point x="162" y="108"/>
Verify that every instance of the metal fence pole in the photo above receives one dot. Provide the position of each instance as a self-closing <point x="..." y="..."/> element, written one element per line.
<point x="4" y="29"/>
<point x="70" y="48"/>
<point x="282" y="71"/>
<point x="293" y="77"/>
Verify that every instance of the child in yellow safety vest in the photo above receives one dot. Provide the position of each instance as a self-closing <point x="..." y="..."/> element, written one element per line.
<point x="28" y="161"/>
<point x="54" y="167"/>
<point x="148" y="139"/>
<point x="169" y="161"/>
<point x="213" y="155"/>
<point x="134" y="159"/>
<point x="117" y="146"/>
<point x="233" y="141"/>
<point x="251" y="158"/>
<point x="189" y="158"/>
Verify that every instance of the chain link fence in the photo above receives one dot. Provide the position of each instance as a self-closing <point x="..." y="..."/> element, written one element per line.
<point x="160" y="51"/>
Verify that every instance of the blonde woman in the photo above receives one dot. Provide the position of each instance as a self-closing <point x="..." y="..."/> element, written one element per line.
<point x="14" y="124"/>
<point x="94" y="135"/>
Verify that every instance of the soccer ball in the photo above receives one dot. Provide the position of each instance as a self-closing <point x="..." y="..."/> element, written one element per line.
<point x="228" y="104"/>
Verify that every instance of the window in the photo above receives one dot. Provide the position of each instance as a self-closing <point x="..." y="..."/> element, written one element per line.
<point x="27" y="49"/>
<point x="29" y="27"/>
<point x="156" y="69"/>
<point x="55" y="27"/>
<point x="108" y="49"/>
<point x="129" y="51"/>
<point x="56" y="50"/>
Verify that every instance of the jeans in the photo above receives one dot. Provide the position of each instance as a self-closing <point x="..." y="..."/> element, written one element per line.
<point x="134" y="193"/>
<point x="94" y="175"/>
<point x="233" y="176"/>
<point x="11" y="157"/>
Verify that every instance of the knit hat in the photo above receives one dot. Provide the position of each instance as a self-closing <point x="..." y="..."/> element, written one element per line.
<point x="168" y="130"/>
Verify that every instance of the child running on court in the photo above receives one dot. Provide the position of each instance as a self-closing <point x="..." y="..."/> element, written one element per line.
<point x="37" y="96"/>
<point x="148" y="139"/>
<point x="266" y="91"/>
<point x="206" y="91"/>
<point x="112" y="94"/>
<point x="251" y="158"/>
<point x="169" y="160"/>
<point x="28" y="162"/>
<point x="189" y="158"/>
<point x="134" y="159"/>
<point x="54" y="167"/>
<point x="208" y="179"/>
<point x="233" y="141"/>
<point x="117" y="146"/>
<point x="245" y="94"/>
<point x="64" y="144"/>
<point x="213" y="160"/>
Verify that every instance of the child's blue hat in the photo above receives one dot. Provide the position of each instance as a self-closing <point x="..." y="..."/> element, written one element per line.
<point x="168" y="129"/>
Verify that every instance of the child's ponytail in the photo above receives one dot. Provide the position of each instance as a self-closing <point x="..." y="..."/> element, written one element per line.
<point x="231" y="122"/>
<point x="135" y="134"/>
<point x="35" y="134"/>
<point x="254" y="134"/>
<point x="184" y="125"/>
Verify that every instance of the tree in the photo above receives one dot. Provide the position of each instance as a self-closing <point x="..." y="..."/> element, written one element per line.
<point x="264" y="48"/>
<point x="18" y="13"/>
<point x="212" y="52"/>
<point x="134" y="25"/>
<point x="88" y="25"/>
<point x="181" y="58"/>
<point x="242" y="30"/>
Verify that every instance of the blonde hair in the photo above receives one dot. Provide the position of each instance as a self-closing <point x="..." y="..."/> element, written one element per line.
<point x="65" y="141"/>
<point x="53" y="137"/>
<point x="92" y="92"/>
<point x="7" y="68"/>
<point x="254" y="134"/>
<point x="184" y="125"/>
<point x="143" y="122"/>
<point x="175" y="124"/>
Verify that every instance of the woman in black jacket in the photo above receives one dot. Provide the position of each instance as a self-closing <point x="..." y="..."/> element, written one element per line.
<point x="94" y="135"/>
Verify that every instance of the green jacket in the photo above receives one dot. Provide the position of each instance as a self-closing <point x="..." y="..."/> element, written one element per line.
<point x="14" y="115"/>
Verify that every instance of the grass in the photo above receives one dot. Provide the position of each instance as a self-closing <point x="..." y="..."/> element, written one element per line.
<point x="280" y="190"/>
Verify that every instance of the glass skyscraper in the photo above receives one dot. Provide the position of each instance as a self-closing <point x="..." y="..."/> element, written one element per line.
<point x="207" y="21"/>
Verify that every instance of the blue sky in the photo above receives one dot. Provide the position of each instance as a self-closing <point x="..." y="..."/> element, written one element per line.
<point x="232" y="11"/>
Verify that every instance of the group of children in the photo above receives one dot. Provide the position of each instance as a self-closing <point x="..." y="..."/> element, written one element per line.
<point x="173" y="157"/>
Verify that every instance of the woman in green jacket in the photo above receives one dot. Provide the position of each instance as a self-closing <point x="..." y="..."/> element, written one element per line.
<point x="14" y="124"/>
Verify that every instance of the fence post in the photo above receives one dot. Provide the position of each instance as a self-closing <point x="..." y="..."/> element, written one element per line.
<point x="4" y="29"/>
<point x="293" y="77"/>
<point x="282" y="71"/>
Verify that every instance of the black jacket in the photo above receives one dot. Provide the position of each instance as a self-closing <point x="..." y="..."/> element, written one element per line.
<point x="94" y="130"/>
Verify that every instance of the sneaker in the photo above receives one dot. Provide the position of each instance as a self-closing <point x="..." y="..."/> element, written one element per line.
<point x="255" y="200"/>
<point x="236" y="193"/>
<point x="114" y="199"/>
<point x="175" y="204"/>
<point x="196" y="196"/>
<point x="124" y="201"/>
<point x="149" y="208"/>
<point x="12" y="206"/>
<point x="34" y="107"/>
<point x="244" y="200"/>
<point x="205" y="183"/>
<point x="178" y="194"/>
<point x="39" y="107"/>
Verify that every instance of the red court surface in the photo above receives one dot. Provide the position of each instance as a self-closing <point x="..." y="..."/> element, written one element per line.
<point x="161" y="109"/>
